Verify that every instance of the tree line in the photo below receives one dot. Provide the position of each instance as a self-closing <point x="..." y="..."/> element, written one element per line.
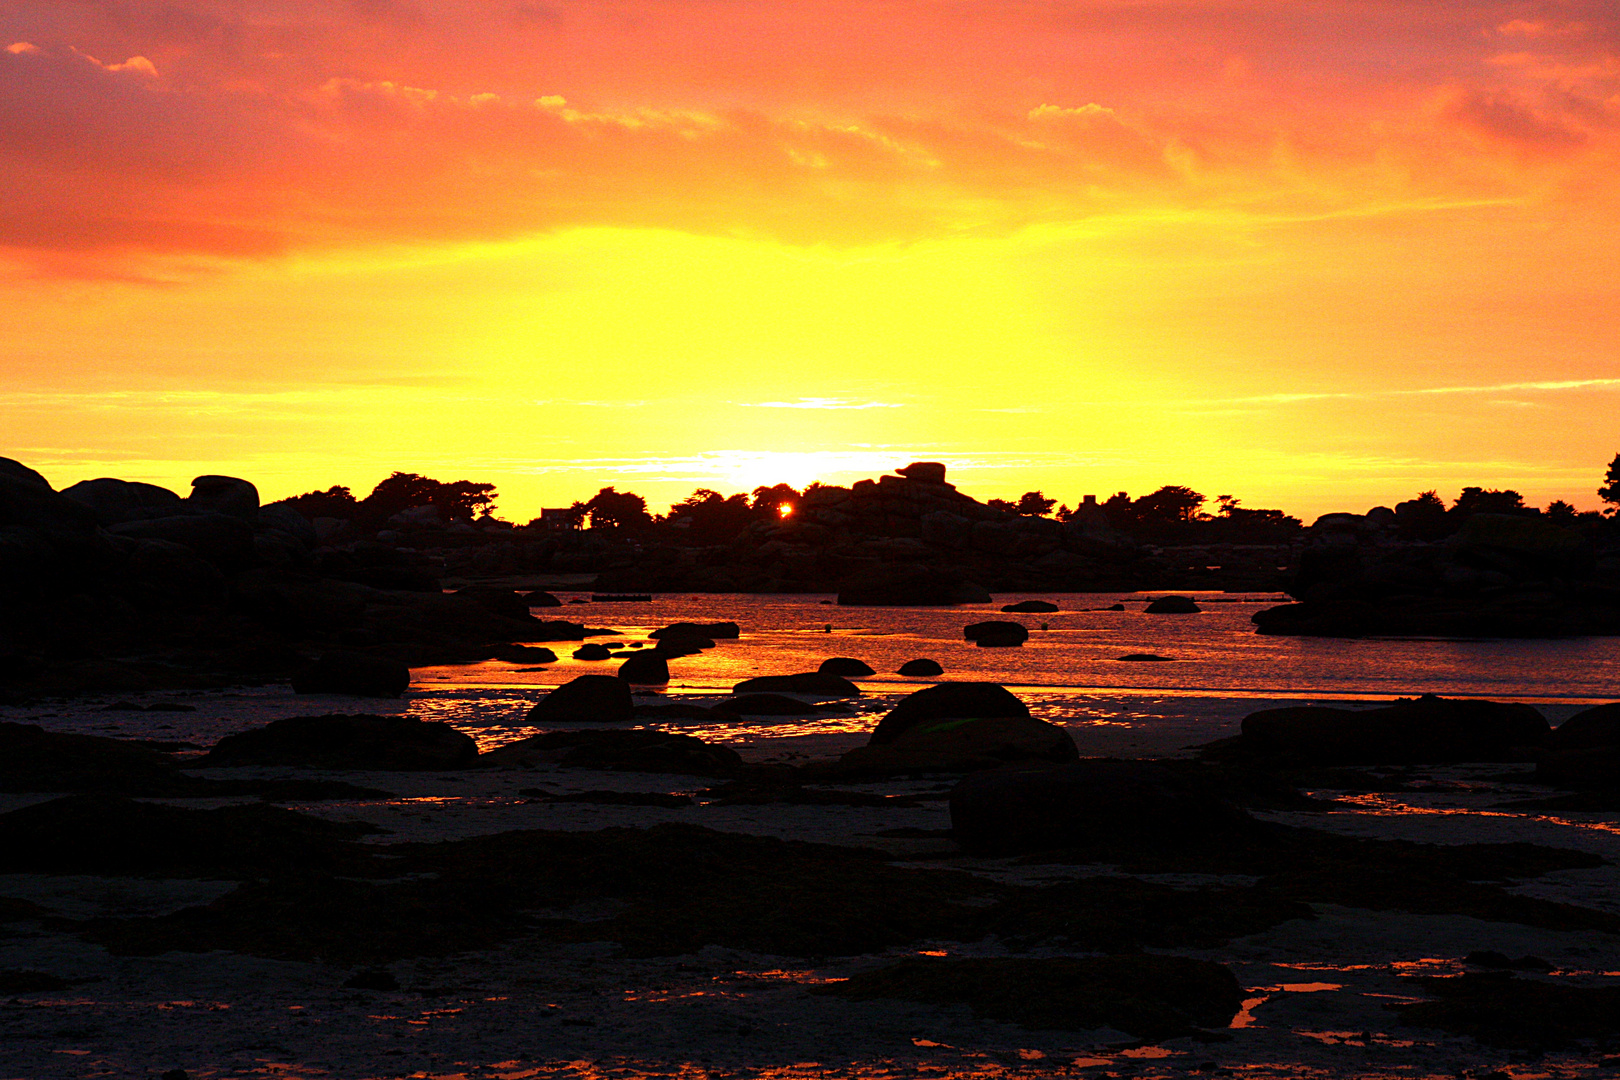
<point x="1173" y="513"/>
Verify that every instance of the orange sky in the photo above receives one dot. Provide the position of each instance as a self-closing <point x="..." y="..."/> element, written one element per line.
<point x="1320" y="255"/>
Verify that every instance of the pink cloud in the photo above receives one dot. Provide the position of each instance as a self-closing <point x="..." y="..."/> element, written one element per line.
<point x="231" y="128"/>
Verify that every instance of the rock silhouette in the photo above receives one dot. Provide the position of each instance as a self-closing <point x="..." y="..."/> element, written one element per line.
<point x="587" y="699"/>
<point x="996" y="633"/>
<point x="1173" y="605"/>
<point x="353" y="674"/>
<point x="339" y="741"/>
<point x="921" y="667"/>
<point x="846" y="666"/>
<point x="809" y="683"/>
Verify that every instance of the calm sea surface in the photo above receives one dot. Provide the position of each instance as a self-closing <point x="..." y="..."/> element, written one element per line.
<point x="1078" y="649"/>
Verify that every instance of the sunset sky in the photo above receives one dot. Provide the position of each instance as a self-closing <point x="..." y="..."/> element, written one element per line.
<point x="1318" y="254"/>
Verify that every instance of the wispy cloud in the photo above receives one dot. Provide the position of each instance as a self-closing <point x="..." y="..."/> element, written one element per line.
<point x="821" y="403"/>
<point x="1543" y="386"/>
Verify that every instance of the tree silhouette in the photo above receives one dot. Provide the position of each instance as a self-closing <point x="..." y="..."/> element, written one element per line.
<point x="1610" y="491"/>
<point x="1034" y="504"/>
<point x="1475" y="500"/>
<point x="611" y="509"/>
<point x="1171" y="503"/>
<point x="459" y="500"/>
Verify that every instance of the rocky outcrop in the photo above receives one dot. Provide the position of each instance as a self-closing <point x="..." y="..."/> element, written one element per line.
<point x="957" y="727"/>
<point x="920" y="668"/>
<point x="914" y="586"/>
<point x="846" y="666"/>
<point x="1498" y="575"/>
<point x="1094" y="806"/>
<point x="948" y="701"/>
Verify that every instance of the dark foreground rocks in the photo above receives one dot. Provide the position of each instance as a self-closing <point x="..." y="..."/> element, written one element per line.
<point x="1094" y="805"/>
<point x="1428" y="729"/>
<point x="337" y="741"/>
<point x="634" y="750"/>
<point x="1499" y="1009"/>
<point x="1151" y="997"/>
<point x="353" y="674"/>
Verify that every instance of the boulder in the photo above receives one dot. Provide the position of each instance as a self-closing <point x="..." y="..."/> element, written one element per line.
<point x="281" y="518"/>
<point x="542" y="599"/>
<point x="502" y="602"/>
<point x="553" y="630"/>
<point x="524" y="654"/>
<point x="917" y="587"/>
<point x="716" y="630"/>
<point x="847" y="666"/>
<point x="1099" y="806"/>
<point x="16" y="470"/>
<point x="963" y="744"/>
<point x="588" y="699"/>
<point x="354" y="674"/>
<point x="996" y="633"/>
<point x="924" y="472"/>
<point x="809" y="683"/>
<point x="1428" y="729"/>
<point x="682" y="645"/>
<point x="227" y="542"/>
<point x="767" y="705"/>
<point x="1592" y="767"/>
<point x="1598" y="726"/>
<point x="645" y="669"/>
<point x="33" y="759"/>
<point x="592" y="651"/>
<point x="117" y="501"/>
<point x="920" y="668"/>
<point x="1030" y="606"/>
<point x="224" y="495"/>
<point x="1173" y="605"/>
<point x="634" y="750"/>
<point x="338" y="741"/>
<point x="947" y="701"/>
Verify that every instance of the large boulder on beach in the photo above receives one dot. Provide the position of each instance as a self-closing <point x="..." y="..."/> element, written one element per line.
<point x="541" y="599"/>
<point x="962" y="744"/>
<point x="808" y="683"/>
<point x="354" y="674"/>
<point x="921" y="668"/>
<point x="1103" y="807"/>
<point x="586" y="699"/>
<point x="845" y="666"/>
<point x="1598" y="726"/>
<point x="996" y="633"/>
<point x="958" y="727"/>
<point x="948" y="701"/>
<point x="634" y="750"/>
<point x="341" y="741"/>
<point x="1427" y="730"/>
<point x="645" y="669"/>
